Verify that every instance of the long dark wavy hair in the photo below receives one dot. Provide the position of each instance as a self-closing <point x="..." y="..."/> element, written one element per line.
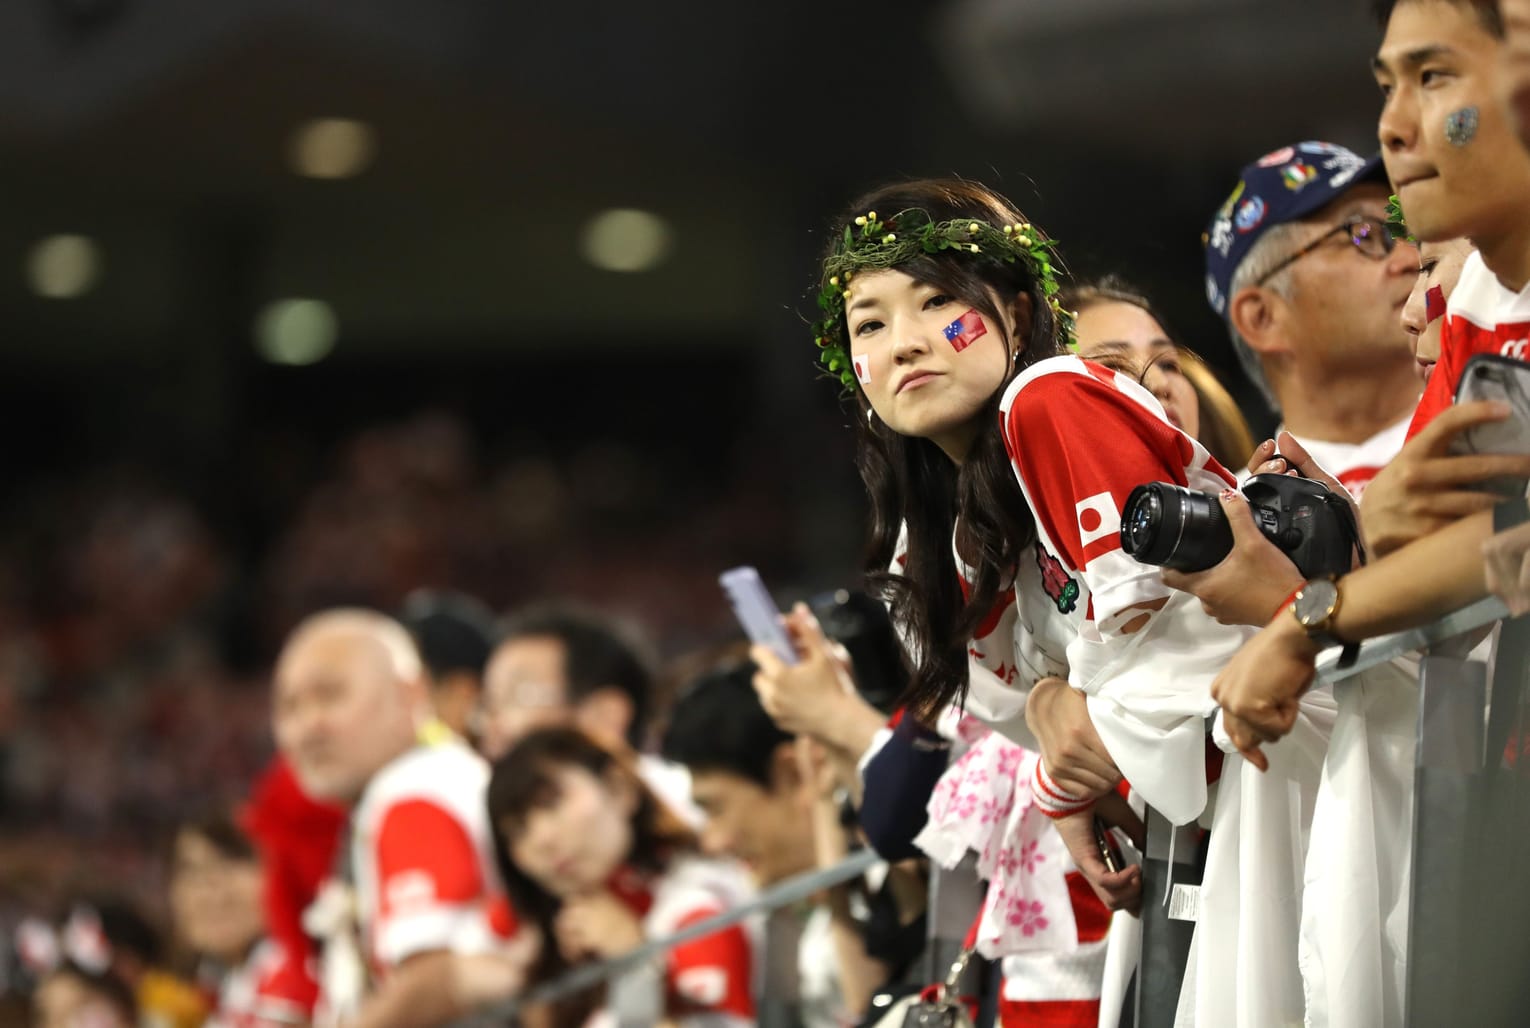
<point x="913" y="483"/>
<point x="526" y="779"/>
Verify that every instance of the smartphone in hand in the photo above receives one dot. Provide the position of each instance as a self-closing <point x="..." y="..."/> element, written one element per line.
<point x="1491" y="377"/>
<point x="756" y="611"/>
<point x="1109" y="854"/>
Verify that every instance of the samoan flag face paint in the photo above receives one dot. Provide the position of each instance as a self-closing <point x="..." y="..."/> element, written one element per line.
<point x="1434" y="305"/>
<point x="965" y="330"/>
<point x="862" y="369"/>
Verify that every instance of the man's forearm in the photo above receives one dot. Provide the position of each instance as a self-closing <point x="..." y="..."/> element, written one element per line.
<point x="414" y="995"/>
<point x="1423" y="581"/>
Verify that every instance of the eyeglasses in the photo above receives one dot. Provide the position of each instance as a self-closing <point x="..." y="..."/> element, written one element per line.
<point x="1371" y="237"/>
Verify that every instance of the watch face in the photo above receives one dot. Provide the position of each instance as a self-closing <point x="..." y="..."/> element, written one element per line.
<point x="1316" y="601"/>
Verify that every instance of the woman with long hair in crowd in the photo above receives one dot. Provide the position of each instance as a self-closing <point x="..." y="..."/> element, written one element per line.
<point x="1115" y="319"/>
<point x="598" y="865"/>
<point x="997" y="469"/>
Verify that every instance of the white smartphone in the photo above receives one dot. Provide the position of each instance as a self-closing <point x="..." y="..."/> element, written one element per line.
<point x="756" y="611"/>
<point x="1488" y="376"/>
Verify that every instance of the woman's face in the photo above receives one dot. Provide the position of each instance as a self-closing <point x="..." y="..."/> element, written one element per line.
<point x="1114" y="326"/>
<point x="1439" y="267"/>
<point x="571" y="844"/>
<point x="64" y="1000"/>
<point x="927" y="362"/>
<point x="215" y="899"/>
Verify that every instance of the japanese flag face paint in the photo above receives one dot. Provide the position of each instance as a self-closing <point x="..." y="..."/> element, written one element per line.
<point x="862" y="369"/>
<point x="1434" y="304"/>
<point x="965" y="330"/>
<point x="1461" y="126"/>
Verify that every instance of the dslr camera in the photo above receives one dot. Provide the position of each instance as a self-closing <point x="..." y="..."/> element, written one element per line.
<point x="1174" y="527"/>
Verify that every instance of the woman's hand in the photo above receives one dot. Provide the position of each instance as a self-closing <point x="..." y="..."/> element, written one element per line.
<point x="1118" y="890"/>
<point x="1074" y="754"/>
<point x="816" y="696"/>
<point x="1250" y="582"/>
<point x="598" y="925"/>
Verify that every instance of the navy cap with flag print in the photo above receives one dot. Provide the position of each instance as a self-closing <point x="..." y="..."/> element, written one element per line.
<point x="1282" y="186"/>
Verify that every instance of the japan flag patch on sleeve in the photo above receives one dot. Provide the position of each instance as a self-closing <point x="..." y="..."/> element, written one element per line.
<point x="1097" y="518"/>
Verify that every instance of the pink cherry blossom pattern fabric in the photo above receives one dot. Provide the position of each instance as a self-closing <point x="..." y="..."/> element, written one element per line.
<point x="983" y="805"/>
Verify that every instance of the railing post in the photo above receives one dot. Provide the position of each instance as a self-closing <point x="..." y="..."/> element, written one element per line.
<point x="636" y="996"/>
<point x="956" y="896"/>
<point x="781" y="985"/>
<point x="1167" y="928"/>
<point x="1449" y="756"/>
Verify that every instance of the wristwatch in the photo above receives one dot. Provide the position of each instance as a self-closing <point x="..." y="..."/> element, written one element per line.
<point x="1316" y="605"/>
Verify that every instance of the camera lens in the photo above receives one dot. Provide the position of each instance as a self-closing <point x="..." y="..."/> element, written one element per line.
<point x="1144" y="511"/>
<point x="1175" y="527"/>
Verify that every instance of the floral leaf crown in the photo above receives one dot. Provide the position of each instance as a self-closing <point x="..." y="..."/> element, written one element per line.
<point x="1395" y="220"/>
<point x="874" y="244"/>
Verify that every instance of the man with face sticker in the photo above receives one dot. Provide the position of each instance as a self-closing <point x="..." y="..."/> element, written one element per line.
<point x="351" y="714"/>
<point x="1515" y="79"/>
<point x="1457" y="166"/>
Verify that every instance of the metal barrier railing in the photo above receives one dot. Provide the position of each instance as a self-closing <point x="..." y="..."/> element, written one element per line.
<point x="1467" y="943"/>
<point x="1454" y="968"/>
<point x="636" y="994"/>
<point x="1450" y="756"/>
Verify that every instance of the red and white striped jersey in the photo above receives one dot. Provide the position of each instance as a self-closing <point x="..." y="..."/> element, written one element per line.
<point x="423" y="857"/>
<point x="1481" y="317"/>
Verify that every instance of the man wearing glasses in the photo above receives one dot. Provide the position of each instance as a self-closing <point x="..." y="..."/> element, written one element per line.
<point x="1300" y="264"/>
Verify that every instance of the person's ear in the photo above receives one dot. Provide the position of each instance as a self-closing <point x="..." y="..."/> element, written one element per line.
<point x="1020" y="326"/>
<point x="606" y="713"/>
<point x="1255" y="314"/>
<point x="785" y="772"/>
<point x="621" y="787"/>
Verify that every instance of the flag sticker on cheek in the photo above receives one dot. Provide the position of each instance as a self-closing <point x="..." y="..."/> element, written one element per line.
<point x="1434" y="304"/>
<point x="1461" y="126"/>
<point x="965" y="330"/>
<point x="862" y="369"/>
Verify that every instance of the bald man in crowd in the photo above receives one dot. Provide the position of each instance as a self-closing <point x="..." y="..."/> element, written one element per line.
<point x="351" y="713"/>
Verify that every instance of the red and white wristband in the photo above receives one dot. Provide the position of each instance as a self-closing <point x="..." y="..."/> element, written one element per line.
<point x="1051" y="798"/>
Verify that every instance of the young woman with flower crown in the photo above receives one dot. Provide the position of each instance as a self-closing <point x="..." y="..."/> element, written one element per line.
<point x="997" y="468"/>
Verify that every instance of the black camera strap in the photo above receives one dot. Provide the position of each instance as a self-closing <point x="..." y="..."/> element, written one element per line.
<point x="1346" y="514"/>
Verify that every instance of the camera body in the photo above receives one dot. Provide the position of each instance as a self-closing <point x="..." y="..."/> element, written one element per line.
<point x="1171" y="526"/>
